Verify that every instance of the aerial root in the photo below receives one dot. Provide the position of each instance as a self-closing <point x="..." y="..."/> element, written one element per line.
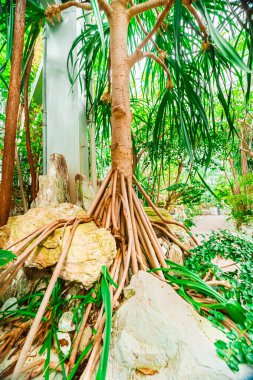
<point x="116" y="207"/>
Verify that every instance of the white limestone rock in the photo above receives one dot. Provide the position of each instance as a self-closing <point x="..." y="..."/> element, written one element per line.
<point x="175" y="254"/>
<point x="157" y="335"/>
<point x="66" y="323"/>
<point x="10" y="304"/>
<point x="85" y="339"/>
<point x="64" y="342"/>
<point x="84" y="191"/>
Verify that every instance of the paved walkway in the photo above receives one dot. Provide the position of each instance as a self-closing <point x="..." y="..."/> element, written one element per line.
<point x="207" y="223"/>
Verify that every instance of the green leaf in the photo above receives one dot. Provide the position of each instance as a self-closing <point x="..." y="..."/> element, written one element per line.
<point x="107" y="275"/>
<point x="6" y="257"/>
<point x="106" y="295"/>
<point x="177" y="20"/>
<point x="249" y="357"/>
<point x="224" y="46"/>
<point x="99" y="21"/>
<point x="83" y="354"/>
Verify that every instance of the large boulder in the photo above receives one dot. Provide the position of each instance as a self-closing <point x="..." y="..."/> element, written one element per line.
<point x="91" y="247"/>
<point x="20" y="226"/>
<point x="157" y="335"/>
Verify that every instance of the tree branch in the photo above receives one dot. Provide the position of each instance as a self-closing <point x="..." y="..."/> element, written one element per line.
<point x="55" y="10"/>
<point x="159" y="22"/>
<point x="105" y="7"/>
<point x="142" y="27"/>
<point x="151" y="55"/>
<point x="147" y="5"/>
<point x="197" y="17"/>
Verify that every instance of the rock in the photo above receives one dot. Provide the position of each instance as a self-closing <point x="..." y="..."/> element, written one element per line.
<point x="10" y="304"/>
<point x="35" y="218"/>
<point x="153" y="217"/>
<point x="166" y="245"/>
<point x="175" y="254"/>
<point x="155" y="332"/>
<point x="33" y="357"/>
<point x="87" y="334"/>
<point x="246" y="228"/>
<point x="84" y="191"/>
<point x="66" y="323"/>
<point x="178" y="230"/>
<point x="19" y="287"/>
<point x="64" y="342"/>
<point x="164" y="250"/>
<point x="91" y="247"/>
<point x="53" y="187"/>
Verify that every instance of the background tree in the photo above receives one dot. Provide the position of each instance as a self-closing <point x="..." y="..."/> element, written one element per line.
<point x="12" y="109"/>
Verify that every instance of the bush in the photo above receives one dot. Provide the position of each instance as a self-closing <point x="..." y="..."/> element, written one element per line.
<point x="238" y="247"/>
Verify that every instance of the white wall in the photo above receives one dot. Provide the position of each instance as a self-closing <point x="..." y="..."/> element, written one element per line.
<point x="64" y="118"/>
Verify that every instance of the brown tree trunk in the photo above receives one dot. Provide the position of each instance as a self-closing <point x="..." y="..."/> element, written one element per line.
<point x="237" y="186"/>
<point x="12" y="112"/>
<point x="27" y="130"/>
<point x="179" y="172"/>
<point x="121" y="148"/>
<point x="244" y="155"/>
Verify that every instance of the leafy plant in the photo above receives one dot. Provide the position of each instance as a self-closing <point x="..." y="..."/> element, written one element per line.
<point x="239" y="248"/>
<point x="238" y="348"/>
<point x="6" y="257"/>
<point x="106" y="295"/>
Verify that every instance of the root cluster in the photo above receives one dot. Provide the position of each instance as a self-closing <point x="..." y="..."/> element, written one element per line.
<point x="116" y="207"/>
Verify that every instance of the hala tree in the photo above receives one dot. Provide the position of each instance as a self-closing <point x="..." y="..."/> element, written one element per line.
<point x="116" y="206"/>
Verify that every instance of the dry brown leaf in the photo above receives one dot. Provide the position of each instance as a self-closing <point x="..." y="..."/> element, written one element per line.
<point x="146" y="371"/>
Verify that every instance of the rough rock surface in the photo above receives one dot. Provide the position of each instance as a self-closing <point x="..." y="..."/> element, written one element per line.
<point x="21" y="226"/>
<point x="157" y="335"/>
<point x="91" y="247"/>
<point x="175" y="254"/>
<point x="179" y="231"/>
<point x="53" y="187"/>
<point x="84" y="191"/>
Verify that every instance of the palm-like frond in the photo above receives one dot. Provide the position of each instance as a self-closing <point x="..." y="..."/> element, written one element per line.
<point x="201" y="74"/>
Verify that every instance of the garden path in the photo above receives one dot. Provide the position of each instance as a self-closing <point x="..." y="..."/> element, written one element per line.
<point x="205" y="224"/>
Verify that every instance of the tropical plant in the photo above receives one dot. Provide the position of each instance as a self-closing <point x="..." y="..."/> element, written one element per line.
<point x="187" y="60"/>
<point x="220" y="305"/>
<point x="233" y="280"/>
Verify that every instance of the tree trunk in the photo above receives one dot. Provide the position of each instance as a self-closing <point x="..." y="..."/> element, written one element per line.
<point x="237" y="186"/>
<point x="27" y="130"/>
<point x="244" y="155"/>
<point x="12" y="112"/>
<point x="121" y="148"/>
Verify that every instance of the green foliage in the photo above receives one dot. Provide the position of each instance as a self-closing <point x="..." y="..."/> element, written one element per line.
<point x="60" y="302"/>
<point x="239" y="248"/>
<point x="238" y="348"/>
<point x="189" y="280"/>
<point x="6" y="257"/>
<point x="187" y="194"/>
<point x="106" y="295"/>
<point x="188" y="117"/>
<point x="242" y="204"/>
